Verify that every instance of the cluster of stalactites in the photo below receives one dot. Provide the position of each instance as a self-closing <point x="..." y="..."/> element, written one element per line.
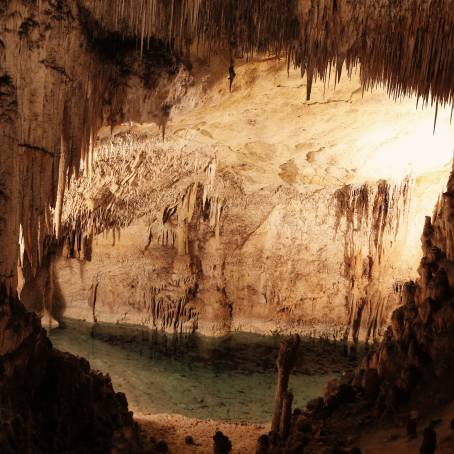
<point x="140" y="178"/>
<point x="372" y="217"/>
<point x="172" y="310"/>
<point x="176" y="219"/>
<point x="35" y="134"/>
<point x="174" y="315"/>
<point x="260" y="25"/>
<point x="374" y="210"/>
<point x="408" y="46"/>
<point x="55" y="138"/>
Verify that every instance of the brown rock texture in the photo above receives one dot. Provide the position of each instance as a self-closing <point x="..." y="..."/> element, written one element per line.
<point x="417" y="348"/>
<point x="68" y="84"/>
<point x="58" y="84"/>
<point x="67" y="68"/>
<point x="52" y="402"/>
<point x="409" y="376"/>
<point x="244" y="220"/>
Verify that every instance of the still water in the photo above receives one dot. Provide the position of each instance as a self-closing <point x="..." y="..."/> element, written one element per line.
<point x="222" y="379"/>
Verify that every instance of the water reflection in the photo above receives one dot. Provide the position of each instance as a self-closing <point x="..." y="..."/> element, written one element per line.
<point x="223" y="379"/>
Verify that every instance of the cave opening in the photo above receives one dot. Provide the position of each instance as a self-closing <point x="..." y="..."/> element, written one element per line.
<point x="230" y="209"/>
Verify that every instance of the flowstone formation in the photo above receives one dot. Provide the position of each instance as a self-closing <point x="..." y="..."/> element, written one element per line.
<point x="146" y="272"/>
<point x="383" y="210"/>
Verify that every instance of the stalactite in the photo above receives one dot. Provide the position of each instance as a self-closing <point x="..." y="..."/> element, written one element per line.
<point x="123" y="188"/>
<point x="171" y="313"/>
<point x="372" y="217"/>
<point x="53" y="135"/>
<point x="407" y="46"/>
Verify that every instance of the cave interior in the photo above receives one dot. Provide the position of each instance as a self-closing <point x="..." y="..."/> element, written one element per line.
<point x="225" y="226"/>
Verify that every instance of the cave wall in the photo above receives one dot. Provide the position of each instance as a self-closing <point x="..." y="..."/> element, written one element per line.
<point x="34" y="32"/>
<point x="58" y="84"/>
<point x="61" y="78"/>
<point x="259" y="211"/>
<point x="186" y="245"/>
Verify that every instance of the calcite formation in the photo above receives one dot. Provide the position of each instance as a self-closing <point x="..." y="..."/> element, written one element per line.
<point x="173" y="245"/>
<point x="143" y="210"/>
<point x="295" y="230"/>
<point x="383" y="210"/>
<point x="71" y="87"/>
<point x="417" y="347"/>
<point x="67" y="68"/>
<point x="406" y="45"/>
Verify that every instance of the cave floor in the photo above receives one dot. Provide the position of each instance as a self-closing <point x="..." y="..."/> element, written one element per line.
<point x="392" y="438"/>
<point x="387" y="436"/>
<point x="175" y="428"/>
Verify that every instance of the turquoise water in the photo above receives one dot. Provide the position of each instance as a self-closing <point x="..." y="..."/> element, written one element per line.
<point x="226" y="379"/>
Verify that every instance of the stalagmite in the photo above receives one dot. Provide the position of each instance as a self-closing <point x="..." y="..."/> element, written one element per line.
<point x="285" y="362"/>
<point x="286" y="415"/>
<point x="92" y="295"/>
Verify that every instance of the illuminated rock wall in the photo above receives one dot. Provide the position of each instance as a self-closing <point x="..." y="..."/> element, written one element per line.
<point x="417" y="348"/>
<point x="242" y="220"/>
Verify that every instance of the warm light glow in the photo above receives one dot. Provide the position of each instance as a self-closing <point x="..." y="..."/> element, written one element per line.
<point x="411" y="149"/>
<point x="407" y="146"/>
